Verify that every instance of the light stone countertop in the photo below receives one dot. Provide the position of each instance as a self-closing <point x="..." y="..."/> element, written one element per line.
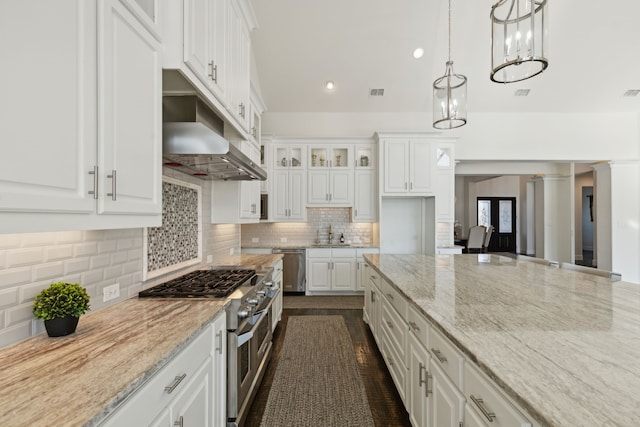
<point x="79" y="379"/>
<point x="564" y="345"/>
<point x="308" y="246"/>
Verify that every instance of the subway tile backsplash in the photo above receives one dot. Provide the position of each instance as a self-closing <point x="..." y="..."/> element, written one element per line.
<point x="316" y="227"/>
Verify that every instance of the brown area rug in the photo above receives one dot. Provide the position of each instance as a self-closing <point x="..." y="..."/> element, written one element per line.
<point x="347" y="302"/>
<point x="317" y="382"/>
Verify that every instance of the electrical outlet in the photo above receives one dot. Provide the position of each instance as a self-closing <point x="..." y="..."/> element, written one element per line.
<point x="110" y="292"/>
<point x="209" y="259"/>
<point x="255" y="239"/>
<point x="283" y="240"/>
<point x="232" y="251"/>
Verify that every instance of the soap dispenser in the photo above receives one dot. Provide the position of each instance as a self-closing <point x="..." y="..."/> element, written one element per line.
<point x="341" y="237"/>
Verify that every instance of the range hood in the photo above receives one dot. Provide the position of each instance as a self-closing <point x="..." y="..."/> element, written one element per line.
<point x="192" y="142"/>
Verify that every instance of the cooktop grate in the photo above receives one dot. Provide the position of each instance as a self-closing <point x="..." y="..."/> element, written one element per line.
<point x="217" y="283"/>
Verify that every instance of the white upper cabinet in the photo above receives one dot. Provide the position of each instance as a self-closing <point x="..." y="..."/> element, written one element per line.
<point x="408" y="166"/>
<point x="330" y="175"/>
<point x="365" y="204"/>
<point x="289" y="183"/>
<point x="86" y="128"/>
<point x="239" y="65"/>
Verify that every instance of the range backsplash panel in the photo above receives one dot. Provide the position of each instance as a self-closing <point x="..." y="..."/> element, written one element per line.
<point x="177" y="240"/>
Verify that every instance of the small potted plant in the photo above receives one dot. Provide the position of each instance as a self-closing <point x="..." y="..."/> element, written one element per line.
<point x="60" y="306"/>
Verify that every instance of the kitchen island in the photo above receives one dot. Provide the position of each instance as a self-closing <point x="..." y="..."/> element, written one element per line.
<point x="563" y="345"/>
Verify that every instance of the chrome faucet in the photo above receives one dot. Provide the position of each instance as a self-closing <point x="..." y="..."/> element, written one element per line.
<point x="330" y="235"/>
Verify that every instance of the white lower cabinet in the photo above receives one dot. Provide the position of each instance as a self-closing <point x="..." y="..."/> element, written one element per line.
<point x="276" y="277"/>
<point x="331" y="270"/>
<point x="190" y="390"/>
<point x="438" y="385"/>
<point x="362" y="271"/>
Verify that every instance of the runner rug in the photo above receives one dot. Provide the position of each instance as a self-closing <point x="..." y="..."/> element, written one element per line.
<point x="347" y="302"/>
<point x="317" y="382"/>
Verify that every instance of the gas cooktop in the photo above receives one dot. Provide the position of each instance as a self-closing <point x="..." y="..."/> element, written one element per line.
<point x="215" y="283"/>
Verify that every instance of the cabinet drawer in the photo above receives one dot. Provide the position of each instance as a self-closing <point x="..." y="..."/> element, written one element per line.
<point x="319" y="253"/>
<point x="486" y="400"/>
<point x="152" y="395"/>
<point x="419" y="326"/>
<point x="395" y="298"/>
<point x="396" y="329"/>
<point x="374" y="277"/>
<point x="446" y="356"/>
<point x="343" y="253"/>
<point x="395" y="364"/>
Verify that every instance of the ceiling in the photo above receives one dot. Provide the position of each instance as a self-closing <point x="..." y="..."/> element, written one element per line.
<point x="368" y="44"/>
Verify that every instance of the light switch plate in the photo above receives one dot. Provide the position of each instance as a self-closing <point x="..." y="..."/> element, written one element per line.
<point x="209" y="259"/>
<point x="110" y="292"/>
<point x="255" y="239"/>
<point x="283" y="240"/>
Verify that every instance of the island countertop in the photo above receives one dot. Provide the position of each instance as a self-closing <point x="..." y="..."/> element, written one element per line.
<point x="564" y="345"/>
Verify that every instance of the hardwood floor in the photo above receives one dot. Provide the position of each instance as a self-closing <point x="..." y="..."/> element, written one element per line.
<point x="386" y="406"/>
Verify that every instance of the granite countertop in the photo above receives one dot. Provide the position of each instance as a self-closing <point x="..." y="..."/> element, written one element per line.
<point x="81" y="378"/>
<point x="565" y="345"/>
<point x="308" y="245"/>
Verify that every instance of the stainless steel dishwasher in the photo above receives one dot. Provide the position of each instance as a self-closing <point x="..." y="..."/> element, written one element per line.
<point x="294" y="269"/>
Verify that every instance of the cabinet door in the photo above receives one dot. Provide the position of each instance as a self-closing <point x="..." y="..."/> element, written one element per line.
<point x="365" y="197"/>
<point x="45" y="164"/>
<point x="279" y="196"/>
<point x="249" y="199"/>
<point x="396" y="171"/>
<point x="444" y="190"/>
<point x="318" y="187"/>
<point x="193" y="406"/>
<point x="361" y="275"/>
<point x="239" y="66"/>
<point x="197" y="38"/>
<point x="219" y="37"/>
<point x="297" y="195"/>
<point x="319" y="274"/>
<point x="343" y="275"/>
<point x="447" y="404"/>
<point x="421" y="160"/>
<point x="163" y="419"/>
<point x="341" y="187"/>
<point x="130" y="114"/>
<point x="219" y="372"/>
<point x="417" y="398"/>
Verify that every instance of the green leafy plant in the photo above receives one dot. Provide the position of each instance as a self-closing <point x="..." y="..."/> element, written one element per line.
<point x="61" y="299"/>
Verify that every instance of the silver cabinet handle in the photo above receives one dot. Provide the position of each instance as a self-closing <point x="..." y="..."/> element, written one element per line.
<point x="219" y="348"/>
<point x="420" y="380"/>
<point x="374" y="277"/>
<point x="179" y="422"/>
<point x="427" y="390"/>
<point x="355" y="212"/>
<point x="213" y="72"/>
<point x="439" y="355"/>
<point x="411" y="186"/>
<point x="389" y="324"/>
<point x="176" y="382"/>
<point x="373" y="296"/>
<point x="390" y="297"/>
<point x="480" y="404"/>
<point x="113" y="185"/>
<point x="94" y="172"/>
<point x="414" y="326"/>
<point x="405" y="185"/>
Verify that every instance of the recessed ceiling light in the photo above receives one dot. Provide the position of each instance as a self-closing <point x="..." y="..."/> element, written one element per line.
<point x="522" y="92"/>
<point x="329" y="85"/>
<point x="418" y="53"/>
<point x="632" y="92"/>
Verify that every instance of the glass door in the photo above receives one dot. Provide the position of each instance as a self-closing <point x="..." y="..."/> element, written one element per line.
<point x="499" y="212"/>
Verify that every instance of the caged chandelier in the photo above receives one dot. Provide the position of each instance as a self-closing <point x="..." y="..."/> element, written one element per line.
<point x="518" y="38"/>
<point x="450" y="95"/>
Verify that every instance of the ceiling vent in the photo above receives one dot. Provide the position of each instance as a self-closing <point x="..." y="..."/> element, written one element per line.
<point x="522" y="92"/>
<point x="632" y="92"/>
<point x="376" y="92"/>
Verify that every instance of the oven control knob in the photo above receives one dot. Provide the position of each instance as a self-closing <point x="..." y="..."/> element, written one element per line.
<point x="261" y="294"/>
<point x="244" y="312"/>
<point x="269" y="284"/>
<point x="253" y="301"/>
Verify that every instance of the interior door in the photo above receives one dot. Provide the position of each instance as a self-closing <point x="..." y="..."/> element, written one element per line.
<point x="500" y="212"/>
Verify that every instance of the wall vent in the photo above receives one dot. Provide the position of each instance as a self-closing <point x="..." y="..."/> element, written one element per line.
<point x="632" y="92"/>
<point x="522" y="92"/>
<point x="376" y="92"/>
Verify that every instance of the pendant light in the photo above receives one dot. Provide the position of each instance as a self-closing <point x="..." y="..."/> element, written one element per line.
<point x="518" y="38"/>
<point x="450" y="95"/>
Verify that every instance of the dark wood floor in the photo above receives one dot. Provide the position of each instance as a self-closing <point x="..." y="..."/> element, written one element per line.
<point x="386" y="406"/>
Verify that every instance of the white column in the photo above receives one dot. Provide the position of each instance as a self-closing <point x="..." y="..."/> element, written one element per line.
<point x="623" y="215"/>
<point x="554" y="218"/>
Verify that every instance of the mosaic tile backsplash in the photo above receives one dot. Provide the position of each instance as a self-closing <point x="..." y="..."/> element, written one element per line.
<point x="176" y="241"/>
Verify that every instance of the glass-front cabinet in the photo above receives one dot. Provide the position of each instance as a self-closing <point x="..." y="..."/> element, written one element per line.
<point x="288" y="156"/>
<point x="330" y="156"/>
<point x="365" y="156"/>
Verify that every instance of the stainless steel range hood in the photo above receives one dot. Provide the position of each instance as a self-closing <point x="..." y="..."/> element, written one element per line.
<point x="192" y="142"/>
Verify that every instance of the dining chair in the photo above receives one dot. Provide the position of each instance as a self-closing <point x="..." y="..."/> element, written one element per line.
<point x="475" y="239"/>
<point x="487" y="239"/>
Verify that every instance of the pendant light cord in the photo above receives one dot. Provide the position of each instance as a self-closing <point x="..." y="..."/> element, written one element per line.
<point x="449" y="30"/>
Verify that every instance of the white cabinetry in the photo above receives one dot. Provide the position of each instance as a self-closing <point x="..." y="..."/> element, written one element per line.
<point x="239" y="65"/>
<point x="289" y="183"/>
<point x="365" y="204"/>
<point x="189" y="390"/>
<point x="331" y="270"/>
<point x="205" y="42"/>
<point x="362" y="269"/>
<point x="235" y="202"/>
<point x="408" y="166"/>
<point x="330" y="175"/>
<point x="86" y="129"/>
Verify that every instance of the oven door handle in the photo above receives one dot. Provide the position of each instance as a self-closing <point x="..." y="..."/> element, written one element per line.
<point x="246" y="336"/>
<point x="243" y="338"/>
